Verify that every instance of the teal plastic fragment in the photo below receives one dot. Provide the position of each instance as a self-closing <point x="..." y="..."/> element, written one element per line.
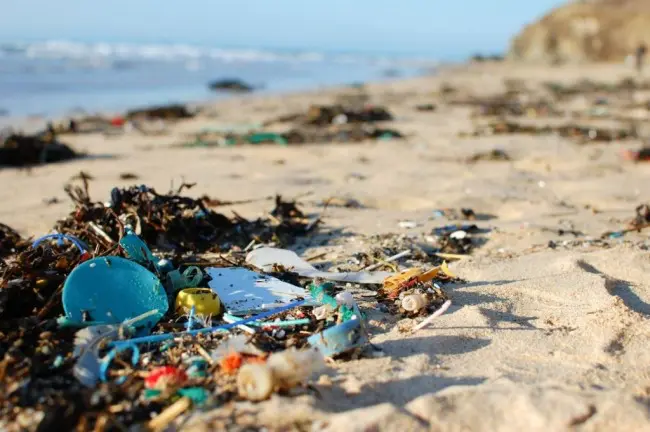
<point x="136" y="249"/>
<point x="190" y="278"/>
<point x="112" y="290"/>
<point x="340" y="338"/>
<point x="262" y="137"/>
<point x="198" y="395"/>
<point x="198" y="367"/>
<point x="152" y="393"/>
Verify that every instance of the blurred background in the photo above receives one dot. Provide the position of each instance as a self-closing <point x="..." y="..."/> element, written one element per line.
<point x="66" y="56"/>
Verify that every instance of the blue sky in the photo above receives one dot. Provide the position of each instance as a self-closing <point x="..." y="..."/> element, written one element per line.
<point x="430" y="27"/>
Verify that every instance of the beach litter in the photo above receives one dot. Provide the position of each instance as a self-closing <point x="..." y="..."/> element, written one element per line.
<point x="148" y="303"/>
<point x="298" y="135"/>
<point x="642" y="155"/>
<point x="578" y="133"/>
<point x="640" y="221"/>
<point x="267" y="259"/>
<point x="319" y="124"/>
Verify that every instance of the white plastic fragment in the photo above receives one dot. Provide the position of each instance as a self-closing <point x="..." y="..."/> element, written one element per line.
<point x="282" y="370"/>
<point x="255" y="382"/>
<point x="433" y="316"/>
<point x="408" y="224"/>
<point x="344" y="298"/>
<point x="265" y="258"/>
<point x="322" y="312"/>
<point x="242" y="290"/>
<point x="414" y="302"/>
<point x="458" y="235"/>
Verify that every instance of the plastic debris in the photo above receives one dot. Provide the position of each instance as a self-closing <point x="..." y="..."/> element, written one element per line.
<point x="414" y="302"/>
<point x="408" y="224"/>
<point x="169" y="336"/>
<point x="87" y="342"/>
<point x="394" y="283"/>
<point x="203" y="300"/>
<point x="282" y="371"/>
<point x="255" y="382"/>
<point x="113" y="289"/>
<point x="265" y="258"/>
<point x="60" y="237"/>
<point x="340" y="338"/>
<point x="243" y="290"/>
<point x="433" y="316"/>
<point x="319" y="294"/>
<point x="164" y="377"/>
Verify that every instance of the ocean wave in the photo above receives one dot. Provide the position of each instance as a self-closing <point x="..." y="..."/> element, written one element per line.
<point x="100" y="53"/>
<point x="66" y="50"/>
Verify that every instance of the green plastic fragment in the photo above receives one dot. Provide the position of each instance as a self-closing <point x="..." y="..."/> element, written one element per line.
<point x="198" y="395"/>
<point x="262" y="137"/>
<point x="152" y="393"/>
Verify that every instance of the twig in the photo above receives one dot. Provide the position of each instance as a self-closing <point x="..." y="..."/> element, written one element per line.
<point x="274" y="219"/>
<point x="393" y="258"/>
<point x="433" y="316"/>
<point x="56" y="296"/>
<point x="315" y="257"/>
<point x="203" y="353"/>
<point x="250" y="245"/>
<point x="100" y="232"/>
<point x="162" y="420"/>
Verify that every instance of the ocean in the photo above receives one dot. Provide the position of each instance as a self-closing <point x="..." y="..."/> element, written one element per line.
<point x="56" y="78"/>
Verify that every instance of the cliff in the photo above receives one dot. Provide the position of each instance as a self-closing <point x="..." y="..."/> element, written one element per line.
<point x="600" y="30"/>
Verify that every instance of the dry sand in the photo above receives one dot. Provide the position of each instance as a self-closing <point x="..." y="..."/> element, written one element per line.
<point x="537" y="339"/>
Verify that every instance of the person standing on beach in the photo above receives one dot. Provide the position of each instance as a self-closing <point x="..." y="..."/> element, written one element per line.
<point x="640" y="56"/>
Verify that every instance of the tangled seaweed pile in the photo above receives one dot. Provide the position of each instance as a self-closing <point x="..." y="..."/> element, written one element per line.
<point x="26" y="150"/>
<point x="174" y="224"/>
<point x="319" y="124"/>
<point x="36" y="348"/>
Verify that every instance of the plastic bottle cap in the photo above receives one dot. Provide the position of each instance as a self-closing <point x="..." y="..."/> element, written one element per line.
<point x="204" y="300"/>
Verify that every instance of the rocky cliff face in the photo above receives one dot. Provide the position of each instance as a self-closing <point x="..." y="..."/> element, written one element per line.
<point x="597" y="30"/>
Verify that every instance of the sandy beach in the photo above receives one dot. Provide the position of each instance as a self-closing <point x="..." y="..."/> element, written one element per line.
<point x="548" y="332"/>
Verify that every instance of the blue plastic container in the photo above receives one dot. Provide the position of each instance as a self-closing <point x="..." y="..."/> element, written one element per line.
<point x="111" y="290"/>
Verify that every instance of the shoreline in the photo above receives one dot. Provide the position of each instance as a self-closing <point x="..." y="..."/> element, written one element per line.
<point x="31" y="121"/>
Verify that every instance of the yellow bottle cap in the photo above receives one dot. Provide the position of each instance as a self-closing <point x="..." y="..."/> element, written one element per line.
<point x="204" y="300"/>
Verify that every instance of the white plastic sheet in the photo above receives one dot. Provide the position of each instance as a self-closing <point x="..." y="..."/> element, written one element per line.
<point x="264" y="258"/>
<point x="242" y="290"/>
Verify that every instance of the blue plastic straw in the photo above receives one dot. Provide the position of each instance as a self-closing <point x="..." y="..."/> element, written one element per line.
<point x="106" y="361"/>
<point x="190" y="320"/>
<point x="288" y="323"/>
<point x="61" y="237"/>
<point x="168" y="336"/>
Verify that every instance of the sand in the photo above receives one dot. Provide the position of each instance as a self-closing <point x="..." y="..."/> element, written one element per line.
<point x="538" y="338"/>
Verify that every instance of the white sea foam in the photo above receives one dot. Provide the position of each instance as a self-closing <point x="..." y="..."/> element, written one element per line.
<point x="106" y="52"/>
